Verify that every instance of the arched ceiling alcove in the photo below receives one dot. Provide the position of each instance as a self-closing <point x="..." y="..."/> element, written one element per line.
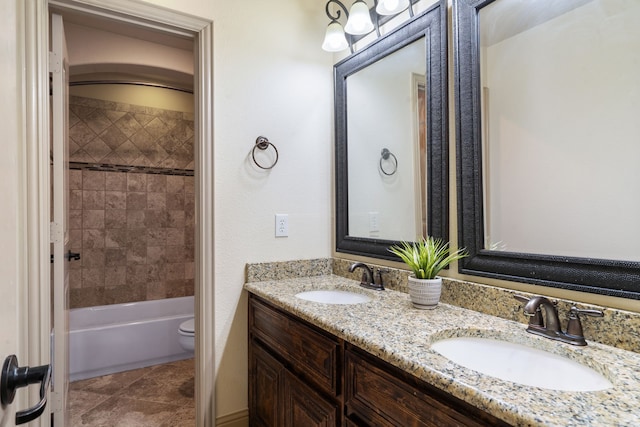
<point x="102" y="51"/>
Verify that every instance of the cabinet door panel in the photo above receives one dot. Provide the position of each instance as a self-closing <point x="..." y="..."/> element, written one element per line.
<point x="304" y="407"/>
<point x="265" y="374"/>
<point x="310" y="353"/>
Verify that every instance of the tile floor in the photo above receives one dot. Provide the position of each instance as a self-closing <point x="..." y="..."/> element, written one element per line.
<point x="157" y="396"/>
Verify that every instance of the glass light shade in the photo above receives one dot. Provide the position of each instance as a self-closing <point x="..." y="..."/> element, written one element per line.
<point x="359" y="21"/>
<point x="391" y="7"/>
<point x="334" y="38"/>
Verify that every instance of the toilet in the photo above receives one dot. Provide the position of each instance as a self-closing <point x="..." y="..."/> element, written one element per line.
<point x="186" y="335"/>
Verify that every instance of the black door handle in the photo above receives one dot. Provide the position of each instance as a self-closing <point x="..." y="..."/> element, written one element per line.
<point x="14" y="377"/>
<point x="69" y="256"/>
<point x="72" y="256"/>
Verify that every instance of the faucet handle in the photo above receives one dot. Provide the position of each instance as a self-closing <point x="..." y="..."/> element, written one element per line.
<point x="574" y="326"/>
<point x="535" y="319"/>
<point x="365" y="279"/>
<point x="592" y="313"/>
<point x="377" y="278"/>
<point x="521" y="298"/>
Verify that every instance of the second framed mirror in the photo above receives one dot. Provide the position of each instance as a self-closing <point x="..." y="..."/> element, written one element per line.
<point x="391" y="138"/>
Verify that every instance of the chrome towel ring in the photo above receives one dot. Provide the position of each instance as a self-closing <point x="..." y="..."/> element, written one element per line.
<point x="386" y="155"/>
<point x="263" y="143"/>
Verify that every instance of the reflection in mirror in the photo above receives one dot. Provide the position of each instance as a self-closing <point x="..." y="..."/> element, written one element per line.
<point x="383" y="112"/>
<point x="548" y="169"/>
<point x="561" y="115"/>
<point x="391" y="138"/>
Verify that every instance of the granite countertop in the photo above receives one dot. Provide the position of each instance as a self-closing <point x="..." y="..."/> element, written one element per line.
<point x="389" y="328"/>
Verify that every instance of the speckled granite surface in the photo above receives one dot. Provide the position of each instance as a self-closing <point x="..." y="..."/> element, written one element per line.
<point x="389" y="328"/>
<point x="259" y="272"/>
<point x="618" y="328"/>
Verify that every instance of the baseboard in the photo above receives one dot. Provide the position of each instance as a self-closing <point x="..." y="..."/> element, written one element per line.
<point x="236" y="419"/>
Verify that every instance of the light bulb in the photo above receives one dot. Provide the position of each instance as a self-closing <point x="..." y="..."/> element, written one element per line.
<point x="359" y="21"/>
<point x="391" y="7"/>
<point x="334" y="38"/>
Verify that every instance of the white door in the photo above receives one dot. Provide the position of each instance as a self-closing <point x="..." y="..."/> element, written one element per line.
<point x="58" y="64"/>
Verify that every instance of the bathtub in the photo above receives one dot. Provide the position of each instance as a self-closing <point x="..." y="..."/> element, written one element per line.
<point x="115" y="338"/>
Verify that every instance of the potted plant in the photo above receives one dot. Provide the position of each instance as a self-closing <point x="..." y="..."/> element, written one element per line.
<point x="425" y="259"/>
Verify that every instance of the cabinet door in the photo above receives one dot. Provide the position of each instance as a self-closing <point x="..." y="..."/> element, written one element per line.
<point x="265" y="375"/>
<point x="304" y="407"/>
<point x="309" y="352"/>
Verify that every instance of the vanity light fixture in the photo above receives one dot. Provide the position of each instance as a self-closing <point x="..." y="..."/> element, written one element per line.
<point x="359" y="21"/>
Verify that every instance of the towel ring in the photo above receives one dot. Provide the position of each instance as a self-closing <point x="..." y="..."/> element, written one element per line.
<point x="385" y="155"/>
<point x="263" y="143"/>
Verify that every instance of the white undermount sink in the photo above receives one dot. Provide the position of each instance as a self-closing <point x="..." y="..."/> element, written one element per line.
<point x="333" y="297"/>
<point x="521" y="364"/>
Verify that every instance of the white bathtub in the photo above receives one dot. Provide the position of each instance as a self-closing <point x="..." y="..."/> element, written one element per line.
<point x="115" y="338"/>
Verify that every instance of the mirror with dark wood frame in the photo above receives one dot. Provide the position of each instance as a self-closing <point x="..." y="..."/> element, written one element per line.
<point x="365" y="172"/>
<point x="547" y="142"/>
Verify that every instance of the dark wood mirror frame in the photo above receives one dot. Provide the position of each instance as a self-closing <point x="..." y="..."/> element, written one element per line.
<point x="432" y="26"/>
<point x="606" y="277"/>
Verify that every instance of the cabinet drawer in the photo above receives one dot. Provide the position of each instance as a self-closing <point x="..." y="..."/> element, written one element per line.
<point x="377" y="393"/>
<point x="308" y="352"/>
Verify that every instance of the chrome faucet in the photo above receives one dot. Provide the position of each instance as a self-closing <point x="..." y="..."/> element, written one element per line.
<point x="549" y="325"/>
<point x="369" y="280"/>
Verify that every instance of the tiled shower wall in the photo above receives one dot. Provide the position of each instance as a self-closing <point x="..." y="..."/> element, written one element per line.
<point x="116" y="133"/>
<point x="134" y="231"/>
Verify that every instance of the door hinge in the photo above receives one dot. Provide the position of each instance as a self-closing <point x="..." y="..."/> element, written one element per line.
<point x="55" y="65"/>
<point x="55" y="233"/>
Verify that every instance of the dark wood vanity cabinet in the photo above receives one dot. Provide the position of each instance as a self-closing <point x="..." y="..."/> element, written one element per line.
<point x="302" y="376"/>
<point x="294" y="371"/>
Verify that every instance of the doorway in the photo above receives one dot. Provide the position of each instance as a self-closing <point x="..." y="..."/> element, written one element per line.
<point x="199" y="32"/>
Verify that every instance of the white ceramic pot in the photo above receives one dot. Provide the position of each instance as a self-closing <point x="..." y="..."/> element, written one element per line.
<point x="425" y="293"/>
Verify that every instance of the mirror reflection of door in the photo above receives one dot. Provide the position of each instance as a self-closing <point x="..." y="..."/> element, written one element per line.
<point x="419" y="101"/>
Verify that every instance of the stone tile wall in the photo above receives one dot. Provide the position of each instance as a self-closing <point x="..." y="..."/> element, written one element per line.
<point x="116" y="133"/>
<point x="135" y="233"/>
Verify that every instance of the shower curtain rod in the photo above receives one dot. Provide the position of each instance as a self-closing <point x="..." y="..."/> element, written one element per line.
<point x="128" y="82"/>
